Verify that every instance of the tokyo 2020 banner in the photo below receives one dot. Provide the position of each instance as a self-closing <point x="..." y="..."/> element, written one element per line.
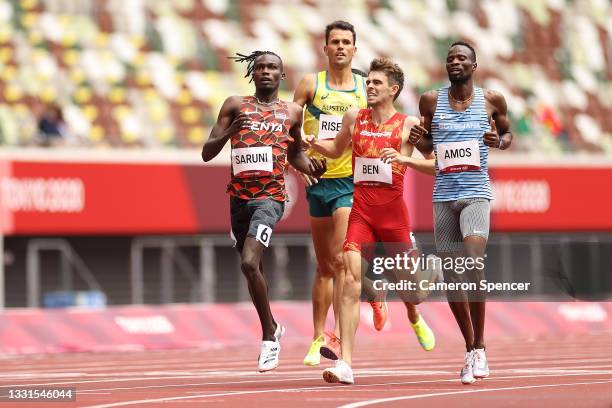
<point x="63" y="198"/>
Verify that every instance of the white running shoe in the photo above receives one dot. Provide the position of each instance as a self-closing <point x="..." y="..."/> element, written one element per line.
<point x="341" y="373"/>
<point x="467" y="376"/>
<point x="480" y="367"/>
<point x="279" y="332"/>
<point x="268" y="356"/>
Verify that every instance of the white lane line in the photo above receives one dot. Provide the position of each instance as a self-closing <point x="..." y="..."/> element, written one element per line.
<point x="441" y="394"/>
<point x="44" y="374"/>
<point x="601" y="369"/>
<point x="277" y="376"/>
<point x="432" y="364"/>
<point x="102" y="366"/>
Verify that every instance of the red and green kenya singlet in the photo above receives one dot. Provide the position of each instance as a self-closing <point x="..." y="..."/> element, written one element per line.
<point x="259" y="154"/>
<point x="376" y="182"/>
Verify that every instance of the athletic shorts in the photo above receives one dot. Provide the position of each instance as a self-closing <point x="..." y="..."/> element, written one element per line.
<point x="254" y="218"/>
<point x="455" y="220"/>
<point x="387" y="223"/>
<point x="328" y="195"/>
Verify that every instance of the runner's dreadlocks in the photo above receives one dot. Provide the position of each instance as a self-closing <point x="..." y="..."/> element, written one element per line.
<point x="250" y="59"/>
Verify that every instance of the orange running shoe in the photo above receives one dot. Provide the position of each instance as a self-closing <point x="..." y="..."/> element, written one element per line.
<point x="380" y="313"/>
<point x="331" y="349"/>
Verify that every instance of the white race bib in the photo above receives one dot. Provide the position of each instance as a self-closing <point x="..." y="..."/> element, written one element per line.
<point x="264" y="233"/>
<point x="329" y="126"/>
<point x="458" y="156"/>
<point x="369" y="170"/>
<point x="252" y="161"/>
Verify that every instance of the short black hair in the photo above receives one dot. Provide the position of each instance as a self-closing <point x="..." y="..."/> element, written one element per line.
<point x="465" y="44"/>
<point x="250" y="59"/>
<point x="340" y="25"/>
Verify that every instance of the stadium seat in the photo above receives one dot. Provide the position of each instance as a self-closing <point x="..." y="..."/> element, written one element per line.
<point x="171" y="58"/>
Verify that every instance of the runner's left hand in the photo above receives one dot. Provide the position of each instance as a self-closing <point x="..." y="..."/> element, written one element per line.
<point x="491" y="138"/>
<point x="317" y="167"/>
<point x="389" y="155"/>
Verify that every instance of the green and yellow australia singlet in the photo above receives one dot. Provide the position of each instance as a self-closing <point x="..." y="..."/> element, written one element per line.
<point x="323" y="118"/>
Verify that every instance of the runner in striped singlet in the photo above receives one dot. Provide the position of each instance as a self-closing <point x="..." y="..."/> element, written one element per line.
<point x="461" y="122"/>
<point x="265" y="133"/>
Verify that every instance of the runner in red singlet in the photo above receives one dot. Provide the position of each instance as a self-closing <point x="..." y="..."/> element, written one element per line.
<point x="265" y="133"/>
<point x="381" y="152"/>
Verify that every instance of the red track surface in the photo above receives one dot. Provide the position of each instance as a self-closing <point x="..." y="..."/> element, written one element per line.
<point x="394" y="372"/>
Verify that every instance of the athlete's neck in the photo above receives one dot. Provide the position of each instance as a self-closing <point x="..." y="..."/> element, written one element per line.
<point x="340" y="78"/>
<point x="266" y="97"/>
<point x="462" y="91"/>
<point x="382" y="113"/>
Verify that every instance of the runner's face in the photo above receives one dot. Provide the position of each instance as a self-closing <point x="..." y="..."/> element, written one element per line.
<point x="340" y="47"/>
<point x="378" y="88"/>
<point x="459" y="64"/>
<point x="267" y="72"/>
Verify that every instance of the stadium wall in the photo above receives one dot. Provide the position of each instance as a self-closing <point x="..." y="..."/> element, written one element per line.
<point x="125" y="197"/>
<point x="101" y="204"/>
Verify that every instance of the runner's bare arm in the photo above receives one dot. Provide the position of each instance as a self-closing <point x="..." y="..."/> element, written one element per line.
<point x="334" y="148"/>
<point x="404" y="157"/>
<point x="390" y="155"/>
<point x="302" y="96"/>
<point x="305" y="89"/>
<point x="420" y="135"/>
<point x="499" y="136"/>
<point x="230" y="121"/>
<point x="295" y="155"/>
<point x="425" y="166"/>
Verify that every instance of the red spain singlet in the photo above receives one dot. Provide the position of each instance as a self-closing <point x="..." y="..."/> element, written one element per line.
<point x="259" y="154"/>
<point x="376" y="182"/>
<point x="379" y="212"/>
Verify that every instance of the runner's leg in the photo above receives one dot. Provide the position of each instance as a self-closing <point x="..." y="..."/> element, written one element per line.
<point x="258" y="288"/>
<point x="449" y="244"/>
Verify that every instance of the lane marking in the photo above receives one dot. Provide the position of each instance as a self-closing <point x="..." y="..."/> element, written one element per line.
<point x="440" y="394"/>
<point x="281" y="379"/>
<point x="326" y="388"/>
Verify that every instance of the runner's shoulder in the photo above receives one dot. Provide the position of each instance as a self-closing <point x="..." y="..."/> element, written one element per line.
<point x="233" y="102"/>
<point x="495" y="98"/>
<point x="352" y="113"/>
<point x="308" y="81"/>
<point x="305" y="89"/>
<point x="234" y="99"/>
<point x="231" y="105"/>
<point x="430" y="97"/>
<point x="294" y="108"/>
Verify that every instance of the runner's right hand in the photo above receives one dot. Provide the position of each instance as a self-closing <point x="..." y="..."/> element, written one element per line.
<point x="417" y="132"/>
<point x="240" y="122"/>
<point x="308" y="141"/>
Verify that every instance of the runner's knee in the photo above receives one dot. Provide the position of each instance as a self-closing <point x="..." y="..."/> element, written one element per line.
<point x="332" y="266"/>
<point x="352" y="286"/>
<point x="249" y="266"/>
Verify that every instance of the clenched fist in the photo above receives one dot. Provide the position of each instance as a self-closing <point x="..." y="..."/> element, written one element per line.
<point x="417" y="132"/>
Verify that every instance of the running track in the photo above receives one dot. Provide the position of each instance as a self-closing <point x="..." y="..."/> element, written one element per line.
<point x="574" y="371"/>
